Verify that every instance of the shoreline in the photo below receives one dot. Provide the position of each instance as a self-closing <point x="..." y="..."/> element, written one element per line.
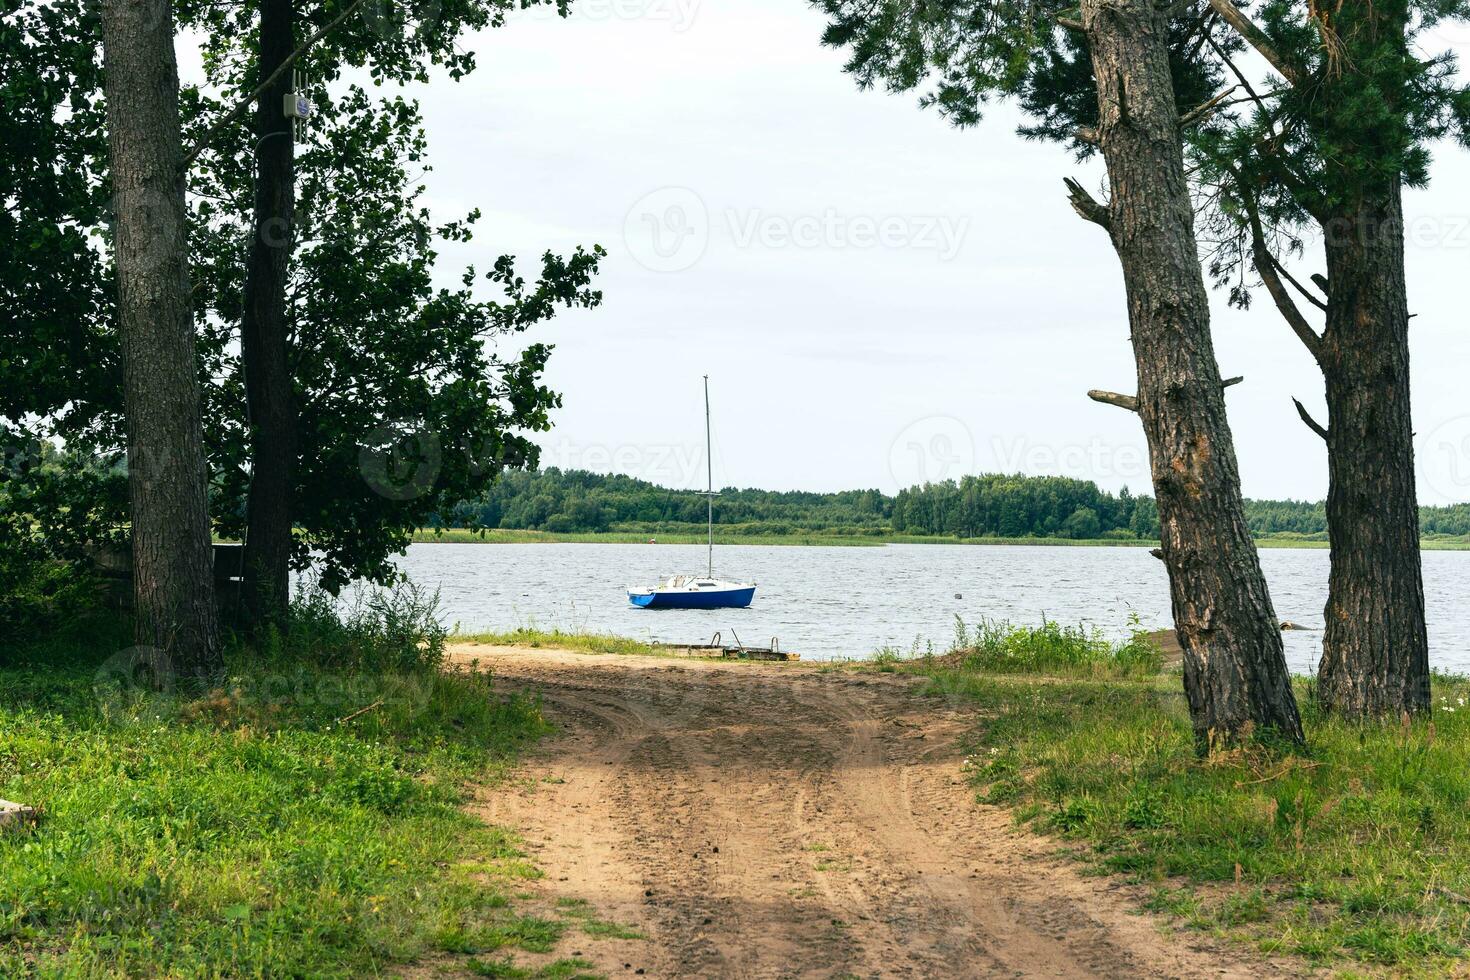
<point x="820" y="539"/>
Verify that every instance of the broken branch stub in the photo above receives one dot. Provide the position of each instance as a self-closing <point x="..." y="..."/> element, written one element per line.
<point x="1128" y="402"/>
<point x="1088" y="206"/>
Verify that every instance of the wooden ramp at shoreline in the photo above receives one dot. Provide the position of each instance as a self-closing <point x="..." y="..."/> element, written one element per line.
<point x="716" y="649"/>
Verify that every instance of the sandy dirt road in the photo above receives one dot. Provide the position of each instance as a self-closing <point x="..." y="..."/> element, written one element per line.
<point x="760" y="820"/>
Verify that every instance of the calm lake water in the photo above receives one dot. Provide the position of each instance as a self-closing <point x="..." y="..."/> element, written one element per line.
<point x="848" y="602"/>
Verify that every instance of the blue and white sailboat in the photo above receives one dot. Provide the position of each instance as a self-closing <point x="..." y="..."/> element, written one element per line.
<point x="693" y="591"/>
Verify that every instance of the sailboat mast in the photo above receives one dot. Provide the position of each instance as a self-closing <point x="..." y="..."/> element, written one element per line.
<point x="709" y="470"/>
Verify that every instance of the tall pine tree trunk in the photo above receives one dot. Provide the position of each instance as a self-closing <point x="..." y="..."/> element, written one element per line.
<point x="1235" y="674"/>
<point x="167" y="481"/>
<point x="1375" y="651"/>
<point x="264" y="336"/>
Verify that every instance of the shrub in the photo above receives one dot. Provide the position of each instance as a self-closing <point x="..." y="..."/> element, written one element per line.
<point x="394" y="629"/>
<point x="36" y="592"/>
<point x="1001" y="647"/>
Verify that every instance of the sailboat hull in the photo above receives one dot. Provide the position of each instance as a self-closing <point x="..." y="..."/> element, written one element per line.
<point x="736" y="598"/>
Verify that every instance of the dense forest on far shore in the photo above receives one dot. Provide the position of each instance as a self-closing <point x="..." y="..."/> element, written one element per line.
<point x="575" y="501"/>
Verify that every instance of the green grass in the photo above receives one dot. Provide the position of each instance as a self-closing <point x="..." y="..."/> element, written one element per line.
<point x="579" y="641"/>
<point x="1430" y="542"/>
<point x="830" y="539"/>
<point x="999" y="647"/>
<point x="252" y="831"/>
<point x="1354" y="851"/>
<point x="580" y="911"/>
<point x="835" y="865"/>
<point x="1445" y="542"/>
<point x="570" y="969"/>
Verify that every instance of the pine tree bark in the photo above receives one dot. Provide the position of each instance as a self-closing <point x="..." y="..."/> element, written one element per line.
<point x="264" y="336"/>
<point x="1235" y="675"/>
<point x="1375" y="650"/>
<point x="167" y="480"/>
<point x="1375" y="656"/>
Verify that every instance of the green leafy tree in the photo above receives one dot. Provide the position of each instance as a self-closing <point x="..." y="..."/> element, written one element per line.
<point x="409" y="397"/>
<point x="1144" y="521"/>
<point x="56" y="353"/>
<point x="1082" y="523"/>
<point x="56" y="510"/>
<point x="396" y="43"/>
<point x="530" y="500"/>
<point x="54" y="280"/>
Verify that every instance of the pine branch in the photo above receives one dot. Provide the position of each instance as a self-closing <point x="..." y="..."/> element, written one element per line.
<point x="1307" y="294"/>
<point x="1203" y="112"/>
<point x="1311" y="422"/>
<point x="1268" y="268"/>
<point x="1256" y="38"/>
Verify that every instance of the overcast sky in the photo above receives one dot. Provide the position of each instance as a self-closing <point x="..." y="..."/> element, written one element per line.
<point x="878" y="297"/>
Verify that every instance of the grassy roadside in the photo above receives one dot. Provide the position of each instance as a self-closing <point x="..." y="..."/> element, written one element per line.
<point x="305" y="819"/>
<point x="1355" y="852"/>
<point x="820" y="539"/>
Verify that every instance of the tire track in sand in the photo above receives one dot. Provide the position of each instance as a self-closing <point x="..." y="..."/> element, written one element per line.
<point x="754" y="820"/>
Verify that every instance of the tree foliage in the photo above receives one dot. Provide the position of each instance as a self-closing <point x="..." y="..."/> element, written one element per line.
<point x="56" y="347"/>
<point x="1373" y="94"/>
<point x="413" y="394"/>
<point x="59" y="358"/>
<point x="56" y="510"/>
<point x="564" y="501"/>
<point x="959" y="55"/>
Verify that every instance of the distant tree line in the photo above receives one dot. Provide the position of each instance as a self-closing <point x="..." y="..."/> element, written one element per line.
<point x="1021" y="506"/>
<point x="989" y="505"/>
<point x="564" y="501"/>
